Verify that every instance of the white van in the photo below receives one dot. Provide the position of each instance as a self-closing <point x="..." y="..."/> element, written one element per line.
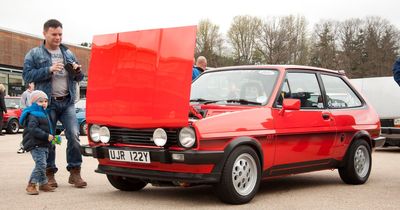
<point x="384" y="95"/>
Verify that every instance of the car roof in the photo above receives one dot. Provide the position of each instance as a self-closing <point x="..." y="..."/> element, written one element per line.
<point x="279" y="67"/>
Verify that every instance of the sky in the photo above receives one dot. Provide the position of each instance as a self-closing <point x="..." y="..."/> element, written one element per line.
<point x="84" y="18"/>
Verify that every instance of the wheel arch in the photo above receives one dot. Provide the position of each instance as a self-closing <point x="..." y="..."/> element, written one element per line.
<point x="362" y="135"/>
<point x="240" y="141"/>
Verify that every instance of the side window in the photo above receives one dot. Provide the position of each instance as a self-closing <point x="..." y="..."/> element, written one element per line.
<point x="302" y="86"/>
<point x="339" y="94"/>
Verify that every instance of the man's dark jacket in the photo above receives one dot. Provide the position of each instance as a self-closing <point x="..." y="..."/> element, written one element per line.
<point x="396" y="71"/>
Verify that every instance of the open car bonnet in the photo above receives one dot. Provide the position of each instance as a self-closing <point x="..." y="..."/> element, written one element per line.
<point x="141" y="79"/>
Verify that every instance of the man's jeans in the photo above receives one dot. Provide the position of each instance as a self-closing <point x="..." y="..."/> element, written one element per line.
<point x="65" y="113"/>
<point x="39" y="155"/>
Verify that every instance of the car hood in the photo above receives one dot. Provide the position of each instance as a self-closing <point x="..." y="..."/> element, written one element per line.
<point x="141" y="79"/>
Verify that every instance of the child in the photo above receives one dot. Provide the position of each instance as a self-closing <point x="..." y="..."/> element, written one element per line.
<point x="36" y="137"/>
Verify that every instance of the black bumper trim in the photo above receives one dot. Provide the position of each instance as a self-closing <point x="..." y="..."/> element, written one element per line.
<point x="152" y="175"/>
<point x="161" y="155"/>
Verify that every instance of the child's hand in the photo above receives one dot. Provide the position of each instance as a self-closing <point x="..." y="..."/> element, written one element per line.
<point x="51" y="137"/>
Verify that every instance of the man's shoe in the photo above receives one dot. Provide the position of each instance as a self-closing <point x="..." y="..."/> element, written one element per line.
<point x="76" y="179"/>
<point x="31" y="189"/>
<point x="50" y="176"/>
<point x="20" y="151"/>
<point x="46" y="188"/>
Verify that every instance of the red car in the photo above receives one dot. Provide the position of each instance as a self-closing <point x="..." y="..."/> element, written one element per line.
<point x="11" y="118"/>
<point x="242" y="125"/>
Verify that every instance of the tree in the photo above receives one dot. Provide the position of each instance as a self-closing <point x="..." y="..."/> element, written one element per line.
<point x="242" y="35"/>
<point x="324" y="49"/>
<point x="283" y="41"/>
<point x="352" y="56"/>
<point x="209" y="42"/>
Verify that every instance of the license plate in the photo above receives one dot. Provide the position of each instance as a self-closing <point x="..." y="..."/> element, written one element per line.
<point x="129" y="156"/>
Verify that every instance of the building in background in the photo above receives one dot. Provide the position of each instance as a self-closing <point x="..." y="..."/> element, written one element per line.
<point x="13" y="48"/>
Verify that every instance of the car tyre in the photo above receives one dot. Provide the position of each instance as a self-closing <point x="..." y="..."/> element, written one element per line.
<point x="83" y="128"/>
<point x="241" y="176"/>
<point x="358" y="163"/>
<point x="126" y="184"/>
<point x="13" y="126"/>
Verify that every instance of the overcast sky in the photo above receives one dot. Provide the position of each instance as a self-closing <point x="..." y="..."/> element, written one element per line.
<point x="84" y="18"/>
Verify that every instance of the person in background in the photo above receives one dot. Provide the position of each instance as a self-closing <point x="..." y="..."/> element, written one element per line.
<point x="396" y="71"/>
<point x="25" y="97"/>
<point x="200" y="67"/>
<point x="3" y="108"/>
<point x="25" y="102"/>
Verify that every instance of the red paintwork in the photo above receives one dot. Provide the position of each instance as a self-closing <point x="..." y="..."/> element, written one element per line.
<point x="141" y="79"/>
<point x="11" y="113"/>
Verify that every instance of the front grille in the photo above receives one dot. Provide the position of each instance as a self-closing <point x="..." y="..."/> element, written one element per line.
<point x="140" y="136"/>
<point x="387" y="123"/>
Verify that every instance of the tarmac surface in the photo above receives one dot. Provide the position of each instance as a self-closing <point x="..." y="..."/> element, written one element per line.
<point x="316" y="190"/>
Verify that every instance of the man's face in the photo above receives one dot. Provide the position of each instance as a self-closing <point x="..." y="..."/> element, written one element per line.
<point x="53" y="36"/>
<point x="202" y="65"/>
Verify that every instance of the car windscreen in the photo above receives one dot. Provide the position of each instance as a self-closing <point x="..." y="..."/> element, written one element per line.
<point x="13" y="103"/>
<point x="250" y="87"/>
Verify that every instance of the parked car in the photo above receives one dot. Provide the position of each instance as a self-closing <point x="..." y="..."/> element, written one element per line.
<point x="80" y="109"/>
<point x="230" y="128"/>
<point x="14" y="111"/>
<point x="384" y="95"/>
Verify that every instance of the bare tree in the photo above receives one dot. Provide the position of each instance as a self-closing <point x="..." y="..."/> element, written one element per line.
<point x="242" y="35"/>
<point x="283" y="40"/>
<point x="209" y="42"/>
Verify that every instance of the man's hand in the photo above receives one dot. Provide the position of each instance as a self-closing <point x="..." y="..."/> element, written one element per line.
<point x="76" y="67"/>
<point x="56" y="67"/>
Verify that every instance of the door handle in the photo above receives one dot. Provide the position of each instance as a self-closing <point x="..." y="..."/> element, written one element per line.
<point x="326" y="116"/>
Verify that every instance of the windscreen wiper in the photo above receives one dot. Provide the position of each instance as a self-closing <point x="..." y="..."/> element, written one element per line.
<point x="242" y="101"/>
<point x="203" y="101"/>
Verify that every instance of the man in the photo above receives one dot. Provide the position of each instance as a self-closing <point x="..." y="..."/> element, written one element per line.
<point x="200" y="67"/>
<point x="44" y="65"/>
<point x="25" y="102"/>
<point x="3" y="108"/>
<point x="396" y="71"/>
<point x="25" y="97"/>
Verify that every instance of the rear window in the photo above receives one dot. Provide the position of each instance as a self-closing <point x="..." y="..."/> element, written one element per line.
<point x="339" y="94"/>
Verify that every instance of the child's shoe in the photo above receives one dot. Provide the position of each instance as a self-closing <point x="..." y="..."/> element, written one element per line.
<point x="31" y="189"/>
<point x="46" y="188"/>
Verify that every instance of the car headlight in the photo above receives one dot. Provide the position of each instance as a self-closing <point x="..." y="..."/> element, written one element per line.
<point x="396" y="122"/>
<point x="95" y="133"/>
<point x="187" y="137"/>
<point x="104" y="134"/>
<point x="160" y="137"/>
<point x="98" y="133"/>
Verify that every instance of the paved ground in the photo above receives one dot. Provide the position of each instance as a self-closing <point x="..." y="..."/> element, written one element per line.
<point x="317" y="190"/>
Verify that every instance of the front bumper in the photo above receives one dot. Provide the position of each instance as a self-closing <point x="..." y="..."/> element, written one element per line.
<point x="392" y="135"/>
<point x="191" y="159"/>
<point x="153" y="175"/>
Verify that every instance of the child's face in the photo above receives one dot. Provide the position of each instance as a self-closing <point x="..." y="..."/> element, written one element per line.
<point x="42" y="103"/>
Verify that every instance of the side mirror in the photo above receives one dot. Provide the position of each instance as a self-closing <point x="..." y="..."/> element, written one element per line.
<point x="290" y="104"/>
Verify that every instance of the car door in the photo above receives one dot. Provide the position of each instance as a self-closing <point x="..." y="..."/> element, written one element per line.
<point x="306" y="136"/>
<point x="346" y="108"/>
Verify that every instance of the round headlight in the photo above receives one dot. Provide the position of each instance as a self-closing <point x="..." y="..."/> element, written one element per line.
<point x="104" y="134"/>
<point x="187" y="137"/>
<point x="160" y="137"/>
<point x="95" y="133"/>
